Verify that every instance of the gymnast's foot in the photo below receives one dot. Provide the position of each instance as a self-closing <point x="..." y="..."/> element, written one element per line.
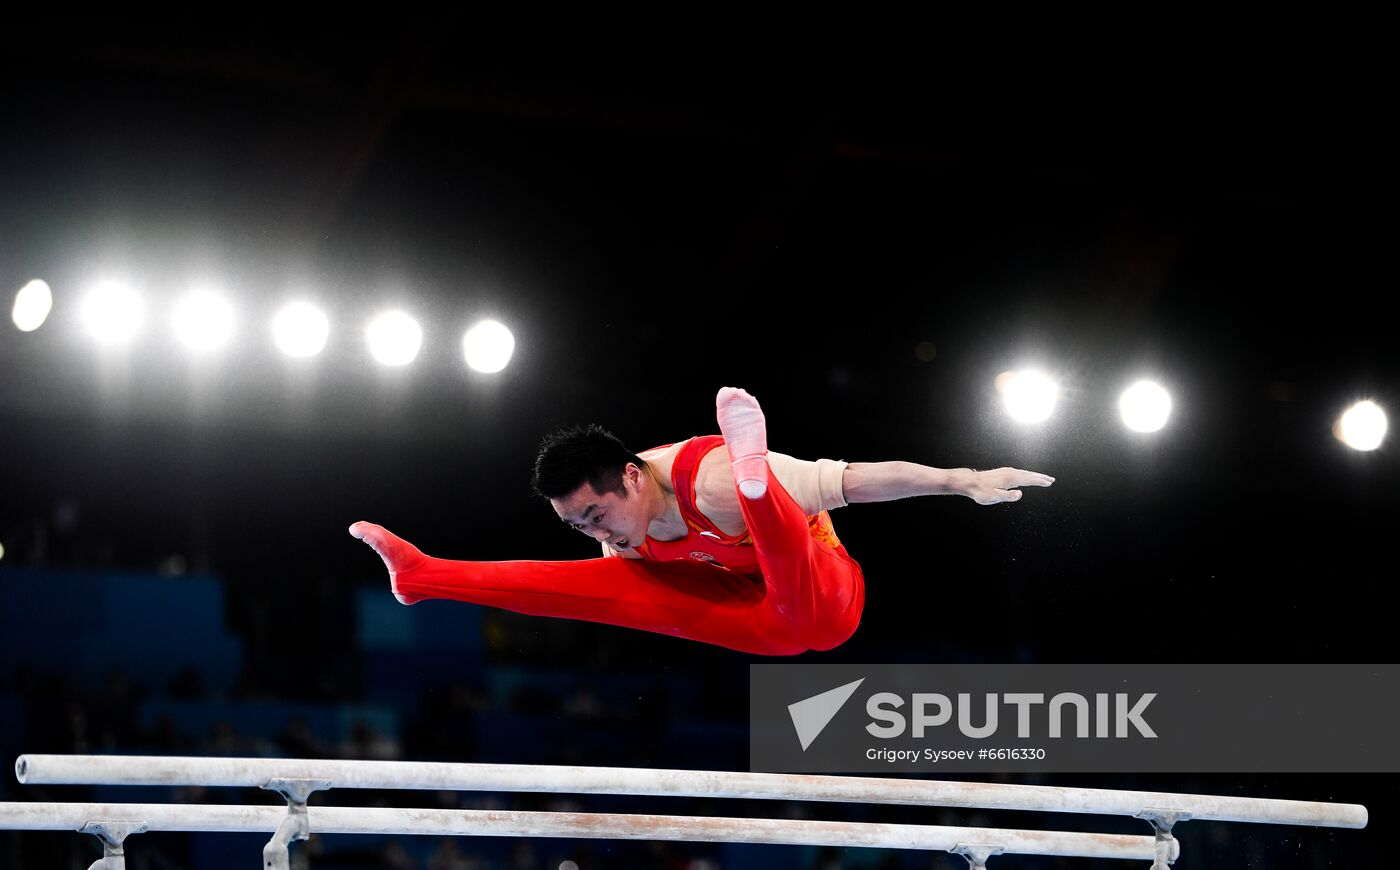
<point x="746" y="435"/>
<point x="399" y="556"/>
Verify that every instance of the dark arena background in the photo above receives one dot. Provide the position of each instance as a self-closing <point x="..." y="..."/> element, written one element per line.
<point x="864" y="242"/>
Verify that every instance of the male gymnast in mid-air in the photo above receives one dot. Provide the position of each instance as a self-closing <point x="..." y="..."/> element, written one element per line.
<point x="731" y="547"/>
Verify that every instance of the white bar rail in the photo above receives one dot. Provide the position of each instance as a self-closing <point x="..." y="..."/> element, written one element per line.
<point x="256" y="772"/>
<point x="348" y="820"/>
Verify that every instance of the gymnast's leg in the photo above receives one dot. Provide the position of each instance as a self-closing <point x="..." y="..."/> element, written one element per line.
<point x="813" y="585"/>
<point x="681" y="598"/>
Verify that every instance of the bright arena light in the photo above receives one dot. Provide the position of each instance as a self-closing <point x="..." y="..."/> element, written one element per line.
<point x="203" y="321"/>
<point x="300" y="330"/>
<point x="33" y="303"/>
<point x="1029" y="395"/>
<point x="488" y="346"/>
<point x="1145" y="406"/>
<point x="112" y="313"/>
<point x="394" y="338"/>
<point x="1362" y="427"/>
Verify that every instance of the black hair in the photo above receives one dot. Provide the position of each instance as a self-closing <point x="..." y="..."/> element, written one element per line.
<point x="570" y="457"/>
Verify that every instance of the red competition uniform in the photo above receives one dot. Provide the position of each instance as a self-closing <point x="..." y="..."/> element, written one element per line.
<point x="784" y="587"/>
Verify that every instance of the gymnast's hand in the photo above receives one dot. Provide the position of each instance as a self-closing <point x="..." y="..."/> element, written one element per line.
<point x="1000" y="484"/>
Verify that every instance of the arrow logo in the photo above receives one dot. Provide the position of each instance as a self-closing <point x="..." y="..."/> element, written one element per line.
<point x="813" y="714"/>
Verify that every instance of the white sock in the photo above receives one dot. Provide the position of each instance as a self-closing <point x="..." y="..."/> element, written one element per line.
<point x="745" y="432"/>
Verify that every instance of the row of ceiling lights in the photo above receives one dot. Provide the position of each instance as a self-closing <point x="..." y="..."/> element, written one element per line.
<point x="205" y="322"/>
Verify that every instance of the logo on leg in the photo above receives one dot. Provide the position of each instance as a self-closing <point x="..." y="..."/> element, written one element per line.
<point x="812" y="715"/>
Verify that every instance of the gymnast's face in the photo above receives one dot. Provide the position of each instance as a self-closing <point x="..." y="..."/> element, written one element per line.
<point x="612" y="518"/>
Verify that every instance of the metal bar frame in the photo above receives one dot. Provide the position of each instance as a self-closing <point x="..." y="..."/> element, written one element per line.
<point x="501" y="823"/>
<point x="443" y="776"/>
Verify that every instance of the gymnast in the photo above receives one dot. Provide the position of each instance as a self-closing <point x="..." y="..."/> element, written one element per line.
<point x="730" y="547"/>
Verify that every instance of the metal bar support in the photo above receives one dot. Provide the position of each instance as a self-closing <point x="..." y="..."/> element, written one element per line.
<point x="297" y="824"/>
<point x="1166" y="845"/>
<point x="976" y="854"/>
<point x="113" y="835"/>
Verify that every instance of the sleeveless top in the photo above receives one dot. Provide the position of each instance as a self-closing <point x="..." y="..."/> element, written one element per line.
<point x="704" y="541"/>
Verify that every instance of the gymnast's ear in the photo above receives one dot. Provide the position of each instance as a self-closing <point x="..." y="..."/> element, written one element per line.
<point x="632" y="478"/>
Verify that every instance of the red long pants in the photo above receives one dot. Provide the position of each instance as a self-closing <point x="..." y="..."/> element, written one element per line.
<point x="810" y="596"/>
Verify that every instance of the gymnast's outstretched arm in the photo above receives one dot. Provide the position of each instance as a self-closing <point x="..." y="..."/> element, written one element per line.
<point x="744" y="427"/>
<point x="888" y="481"/>
<point x="827" y="484"/>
